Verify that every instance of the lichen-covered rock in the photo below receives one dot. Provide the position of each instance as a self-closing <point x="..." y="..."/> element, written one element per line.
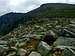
<point x="68" y="53"/>
<point x="44" y="48"/>
<point x="67" y="44"/>
<point x="65" y="41"/>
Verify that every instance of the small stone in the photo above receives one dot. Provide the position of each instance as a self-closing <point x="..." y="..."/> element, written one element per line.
<point x="34" y="54"/>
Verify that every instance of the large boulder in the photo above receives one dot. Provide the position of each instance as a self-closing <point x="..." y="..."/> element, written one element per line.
<point x="67" y="44"/>
<point x="44" y="48"/>
<point x="68" y="53"/>
<point x="65" y="41"/>
<point x="49" y="37"/>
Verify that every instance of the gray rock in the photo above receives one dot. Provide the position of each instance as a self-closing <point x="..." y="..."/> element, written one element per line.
<point x="44" y="48"/>
<point x="34" y="54"/>
<point x="3" y="42"/>
<point x="65" y="41"/>
<point x="68" y="53"/>
<point x="22" y="52"/>
<point x="11" y="54"/>
<point x="67" y="44"/>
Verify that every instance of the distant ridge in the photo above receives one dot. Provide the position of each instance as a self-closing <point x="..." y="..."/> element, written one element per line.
<point x="11" y="20"/>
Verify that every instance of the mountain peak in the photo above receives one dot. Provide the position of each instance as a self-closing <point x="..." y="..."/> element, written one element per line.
<point x="56" y="4"/>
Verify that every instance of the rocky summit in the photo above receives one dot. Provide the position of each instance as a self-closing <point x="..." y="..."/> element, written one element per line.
<point x="46" y="31"/>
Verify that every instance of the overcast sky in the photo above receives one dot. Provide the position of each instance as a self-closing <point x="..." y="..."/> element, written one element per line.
<point x="25" y="5"/>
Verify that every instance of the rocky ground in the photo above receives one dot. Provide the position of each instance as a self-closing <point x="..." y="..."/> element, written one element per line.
<point x="43" y="37"/>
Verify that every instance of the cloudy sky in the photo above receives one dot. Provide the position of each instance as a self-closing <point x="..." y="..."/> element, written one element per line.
<point x="25" y="5"/>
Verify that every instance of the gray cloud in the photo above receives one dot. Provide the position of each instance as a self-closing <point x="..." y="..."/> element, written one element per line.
<point x="25" y="5"/>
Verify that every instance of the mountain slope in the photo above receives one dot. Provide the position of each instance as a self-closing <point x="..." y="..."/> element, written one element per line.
<point x="45" y="30"/>
<point x="11" y="20"/>
<point x="54" y="9"/>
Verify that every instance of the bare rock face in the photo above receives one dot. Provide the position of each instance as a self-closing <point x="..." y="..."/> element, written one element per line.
<point x="34" y="54"/>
